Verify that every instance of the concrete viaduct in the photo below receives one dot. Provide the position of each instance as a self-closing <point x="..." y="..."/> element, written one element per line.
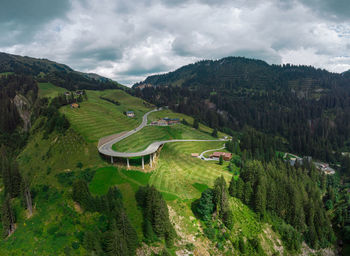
<point x="106" y="143"/>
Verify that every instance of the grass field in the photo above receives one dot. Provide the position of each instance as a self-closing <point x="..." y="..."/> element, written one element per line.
<point x="149" y="134"/>
<point x="58" y="224"/>
<point x="49" y="90"/>
<point x="180" y="174"/>
<point x="97" y="118"/>
<point x="168" y="113"/>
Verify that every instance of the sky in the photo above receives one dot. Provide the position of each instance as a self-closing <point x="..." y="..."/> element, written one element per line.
<point x="127" y="40"/>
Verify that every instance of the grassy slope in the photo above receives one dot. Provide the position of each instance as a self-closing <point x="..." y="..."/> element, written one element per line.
<point x="177" y="172"/>
<point x="149" y="134"/>
<point x="168" y="113"/>
<point x="49" y="90"/>
<point x="56" y="224"/>
<point x="97" y="118"/>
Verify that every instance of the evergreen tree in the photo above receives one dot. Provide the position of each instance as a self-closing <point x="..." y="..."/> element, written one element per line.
<point x="240" y="188"/>
<point x="248" y="193"/>
<point x="127" y="232"/>
<point x="7" y="217"/>
<point x="115" y="244"/>
<point x="11" y="178"/>
<point x="196" y="123"/>
<point x="221" y="160"/>
<point x="156" y="213"/>
<point x="232" y="189"/>
<point x="205" y="205"/>
<point x="215" y="133"/>
<point x="82" y="195"/>
<point x="92" y="243"/>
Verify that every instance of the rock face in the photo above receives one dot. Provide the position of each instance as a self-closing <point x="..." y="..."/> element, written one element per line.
<point x="23" y="108"/>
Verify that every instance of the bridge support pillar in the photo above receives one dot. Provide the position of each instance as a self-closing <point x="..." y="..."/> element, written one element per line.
<point x="143" y="163"/>
<point x="150" y="160"/>
<point x="111" y="159"/>
<point x="127" y="163"/>
<point x="154" y="157"/>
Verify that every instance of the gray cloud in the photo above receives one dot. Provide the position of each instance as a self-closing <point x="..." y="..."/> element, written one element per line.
<point x="128" y="40"/>
<point x="338" y="9"/>
<point x="21" y="19"/>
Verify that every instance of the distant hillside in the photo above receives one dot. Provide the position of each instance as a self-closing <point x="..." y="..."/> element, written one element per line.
<point x="346" y="73"/>
<point x="307" y="107"/>
<point x="237" y="72"/>
<point x="58" y="74"/>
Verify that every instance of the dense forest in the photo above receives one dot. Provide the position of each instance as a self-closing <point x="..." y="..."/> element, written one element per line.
<point x="60" y="75"/>
<point x="265" y="108"/>
<point x="308" y="108"/>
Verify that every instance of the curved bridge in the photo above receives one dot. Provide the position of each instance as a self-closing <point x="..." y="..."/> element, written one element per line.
<point x="105" y="148"/>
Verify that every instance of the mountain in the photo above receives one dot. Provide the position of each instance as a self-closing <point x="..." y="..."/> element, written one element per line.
<point x="59" y="74"/>
<point x="346" y="73"/>
<point x="305" y="107"/>
<point x="233" y="72"/>
<point x="60" y="196"/>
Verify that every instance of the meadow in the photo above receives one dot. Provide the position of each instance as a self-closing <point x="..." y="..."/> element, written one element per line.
<point x="168" y="113"/>
<point x="97" y="117"/>
<point x="49" y="90"/>
<point x="149" y="134"/>
<point x="56" y="162"/>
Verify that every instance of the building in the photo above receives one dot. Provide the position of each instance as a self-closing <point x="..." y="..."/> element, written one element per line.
<point x="162" y="123"/>
<point x="225" y="156"/>
<point x="166" y="121"/>
<point x="74" y="105"/>
<point x="130" y="113"/>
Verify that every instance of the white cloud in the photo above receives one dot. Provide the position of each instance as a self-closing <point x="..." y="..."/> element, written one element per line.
<point x="128" y="40"/>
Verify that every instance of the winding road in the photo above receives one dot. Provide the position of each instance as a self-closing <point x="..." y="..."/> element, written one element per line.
<point x="201" y="156"/>
<point x="106" y="148"/>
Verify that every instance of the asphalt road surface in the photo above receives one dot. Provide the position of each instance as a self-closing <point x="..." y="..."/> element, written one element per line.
<point x="106" y="148"/>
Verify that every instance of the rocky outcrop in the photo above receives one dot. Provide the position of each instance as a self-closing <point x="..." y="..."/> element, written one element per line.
<point x="23" y="107"/>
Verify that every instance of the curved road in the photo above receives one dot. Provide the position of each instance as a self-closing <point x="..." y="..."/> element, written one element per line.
<point x="106" y="148"/>
<point x="201" y="156"/>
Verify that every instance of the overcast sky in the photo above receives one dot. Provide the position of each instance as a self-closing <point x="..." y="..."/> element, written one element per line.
<point x="127" y="40"/>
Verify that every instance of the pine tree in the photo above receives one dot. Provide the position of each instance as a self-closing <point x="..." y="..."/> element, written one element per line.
<point x="205" y="205"/>
<point x="232" y="189"/>
<point x="156" y="213"/>
<point x="82" y="195"/>
<point x="195" y="123"/>
<point x="128" y="232"/>
<point x="240" y="188"/>
<point x="215" y="133"/>
<point x="148" y="232"/>
<point x="8" y="218"/>
<point x="260" y="197"/>
<point x="221" y="160"/>
<point x="115" y="244"/>
<point x="248" y="193"/>
<point x="92" y="243"/>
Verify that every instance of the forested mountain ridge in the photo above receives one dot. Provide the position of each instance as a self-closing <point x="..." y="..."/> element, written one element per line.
<point x="307" y="107"/>
<point x="59" y="74"/>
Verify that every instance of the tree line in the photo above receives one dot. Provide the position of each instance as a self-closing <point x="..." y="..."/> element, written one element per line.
<point x="292" y="194"/>
<point x="307" y="107"/>
<point x="120" y="237"/>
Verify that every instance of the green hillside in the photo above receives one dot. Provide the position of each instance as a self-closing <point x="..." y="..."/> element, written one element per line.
<point x="56" y="161"/>
<point x="49" y="90"/>
<point x="97" y="117"/>
<point x="149" y="134"/>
